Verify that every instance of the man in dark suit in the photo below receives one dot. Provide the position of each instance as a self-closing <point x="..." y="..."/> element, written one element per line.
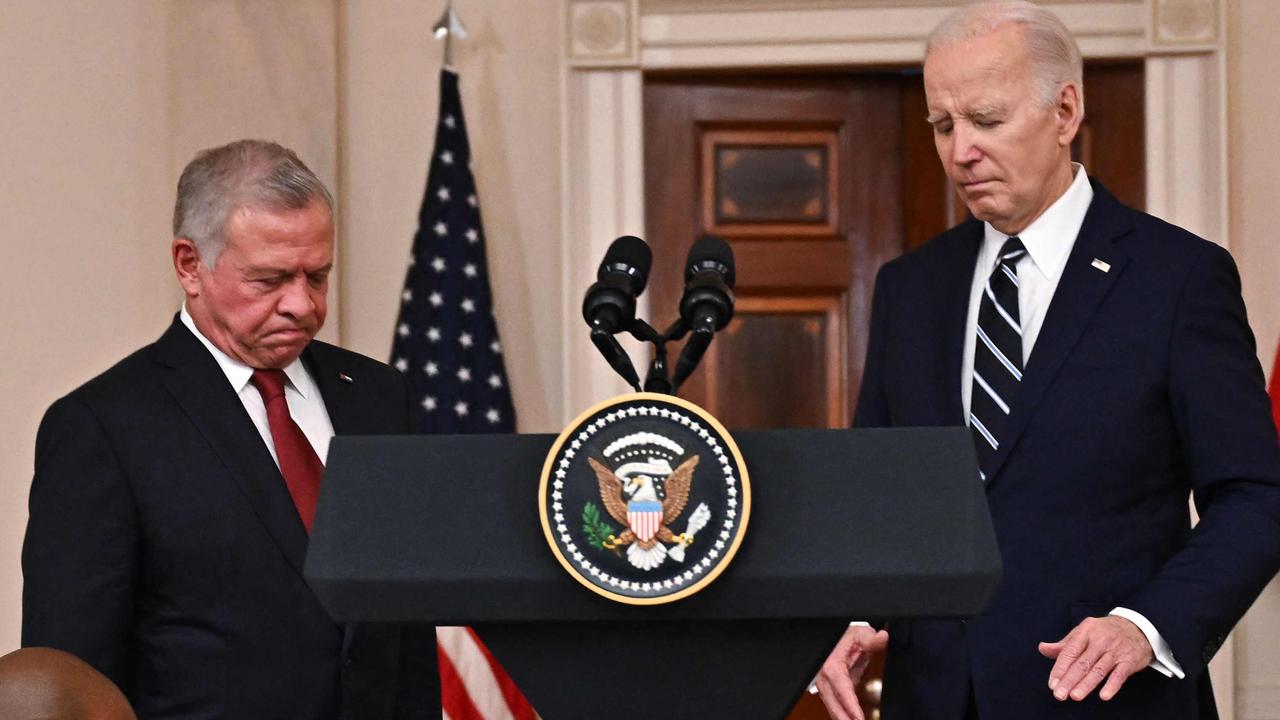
<point x="173" y="494"/>
<point x="1104" y="364"/>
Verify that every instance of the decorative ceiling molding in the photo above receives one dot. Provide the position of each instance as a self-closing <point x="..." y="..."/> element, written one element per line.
<point x="1181" y="23"/>
<point x="601" y="33"/>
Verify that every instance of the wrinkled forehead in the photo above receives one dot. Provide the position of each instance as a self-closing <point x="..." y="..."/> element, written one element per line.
<point x="994" y="64"/>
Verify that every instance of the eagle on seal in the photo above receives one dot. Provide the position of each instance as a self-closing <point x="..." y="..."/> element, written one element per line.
<point x="633" y="501"/>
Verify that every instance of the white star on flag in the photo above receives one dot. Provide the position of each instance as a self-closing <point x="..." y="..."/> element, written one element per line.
<point x="471" y="199"/>
<point x="431" y="369"/>
<point x="449" y="122"/>
<point x="495" y="381"/>
<point x="441" y="229"/>
<point x="472" y="235"/>
<point x="437" y="264"/>
<point x="428" y="403"/>
<point x="436" y="299"/>
<point x="460" y="408"/>
<point x="402" y="364"/>
<point x="446" y="157"/>
<point x="465" y="340"/>
<point x="433" y="334"/>
<point x="403" y="330"/>
<point x="468" y="305"/>
<point x="469" y="270"/>
<point x="464" y="374"/>
<point x="493" y="416"/>
<point x="496" y="347"/>
<point x="407" y="295"/>
<point x="443" y="194"/>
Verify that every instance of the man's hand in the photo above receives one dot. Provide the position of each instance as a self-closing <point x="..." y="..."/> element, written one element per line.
<point x="1110" y="648"/>
<point x="843" y="669"/>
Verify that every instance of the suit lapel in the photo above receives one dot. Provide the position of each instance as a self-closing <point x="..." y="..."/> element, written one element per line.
<point x="955" y="301"/>
<point x="1076" y="300"/>
<point x="201" y="389"/>
<point x="337" y="387"/>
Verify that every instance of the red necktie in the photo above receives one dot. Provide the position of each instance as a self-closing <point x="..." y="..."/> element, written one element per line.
<point x="299" y="464"/>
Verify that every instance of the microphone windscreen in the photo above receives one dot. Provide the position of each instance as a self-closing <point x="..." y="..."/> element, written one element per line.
<point x="631" y="255"/>
<point x="710" y="253"/>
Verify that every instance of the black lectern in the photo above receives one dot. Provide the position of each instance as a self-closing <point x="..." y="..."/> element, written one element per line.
<point x="846" y="524"/>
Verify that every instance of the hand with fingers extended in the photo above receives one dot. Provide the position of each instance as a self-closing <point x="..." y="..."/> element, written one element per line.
<point x="843" y="669"/>
<point x="1103" y="648"/>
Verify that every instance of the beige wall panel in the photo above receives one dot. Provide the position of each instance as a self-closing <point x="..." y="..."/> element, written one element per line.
<point x="84" y="210"/>
<point x="246" y="68"/>
<point x="1254" y="160"/>
<point x="510" y="83"/>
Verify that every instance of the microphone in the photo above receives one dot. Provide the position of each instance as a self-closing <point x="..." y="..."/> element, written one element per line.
<point x="707" y="303"/>
<point x="609" y="306"/>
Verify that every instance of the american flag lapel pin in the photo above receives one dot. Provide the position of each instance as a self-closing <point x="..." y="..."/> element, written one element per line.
<point x="1101" y="265"/>
<point x="346" y="378"/>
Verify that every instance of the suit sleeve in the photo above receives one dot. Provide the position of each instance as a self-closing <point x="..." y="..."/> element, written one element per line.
<point x="79" y="558"/>
<point x="1223" y="419"/>
<point x="873" y="408"/>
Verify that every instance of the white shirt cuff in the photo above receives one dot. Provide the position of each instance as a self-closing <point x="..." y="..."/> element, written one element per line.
<point x="813" y="684"/>
<point x="1163" y="662"/>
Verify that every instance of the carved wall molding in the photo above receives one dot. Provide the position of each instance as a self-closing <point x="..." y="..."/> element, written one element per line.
<point x="601" y="33"/>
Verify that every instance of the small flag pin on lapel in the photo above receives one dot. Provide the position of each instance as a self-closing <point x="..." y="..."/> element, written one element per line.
<point x="345" y="378"/>
<point x="1101" y="265"/>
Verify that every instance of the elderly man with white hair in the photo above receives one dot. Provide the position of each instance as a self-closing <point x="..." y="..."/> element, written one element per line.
<point x="1104" y="364"/>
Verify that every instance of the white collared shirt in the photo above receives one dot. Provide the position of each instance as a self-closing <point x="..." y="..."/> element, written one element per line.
<point x="306" y="406"/>
<point x="1049" y="240"/>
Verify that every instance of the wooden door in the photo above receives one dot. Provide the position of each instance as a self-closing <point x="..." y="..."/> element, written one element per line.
<point x="800" y="175"/>
<point x="816" y="180"/>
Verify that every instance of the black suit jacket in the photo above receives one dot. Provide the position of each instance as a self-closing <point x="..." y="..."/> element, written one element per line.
<point x="1143" y="387"/>
<point x="164" y="549"/>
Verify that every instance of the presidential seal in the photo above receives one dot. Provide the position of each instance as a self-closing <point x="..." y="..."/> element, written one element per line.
<point x="644" y="498"/>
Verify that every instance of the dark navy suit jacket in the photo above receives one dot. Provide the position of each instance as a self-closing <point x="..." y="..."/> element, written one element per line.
<point x="164" y="549"/>
<point x="1143" y="386"/>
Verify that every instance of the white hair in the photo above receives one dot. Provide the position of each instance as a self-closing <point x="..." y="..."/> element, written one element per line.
<point x="244" y="174"/>
<point x="1055" y="57"/>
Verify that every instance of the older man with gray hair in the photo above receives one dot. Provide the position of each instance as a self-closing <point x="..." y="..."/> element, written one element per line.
<point x="1103" y="363"/>
<point x="174" y="493"/>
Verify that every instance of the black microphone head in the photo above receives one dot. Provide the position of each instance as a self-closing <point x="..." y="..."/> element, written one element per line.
<point x="713" y="254"/>
<point x="630" y="256"/>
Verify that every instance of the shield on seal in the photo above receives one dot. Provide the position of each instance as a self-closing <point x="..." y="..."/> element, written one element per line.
<point x="645" y="517"/>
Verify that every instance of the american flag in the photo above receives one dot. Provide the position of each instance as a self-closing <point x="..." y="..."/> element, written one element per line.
<point x="446" y="344"/>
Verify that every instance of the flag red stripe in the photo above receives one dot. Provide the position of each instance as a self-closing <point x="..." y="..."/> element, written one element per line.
<point x="516" y="701"/>
<point x="454" y="698"/>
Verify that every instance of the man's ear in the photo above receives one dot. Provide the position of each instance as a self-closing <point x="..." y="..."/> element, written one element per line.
<point x="186" y="263"/>
<point x="1070" y="113"/>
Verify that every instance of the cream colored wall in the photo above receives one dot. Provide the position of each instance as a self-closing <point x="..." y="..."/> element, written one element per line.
<point x="84" y="205"/>
<point x="1254" y="159"/>
<point x="509" y="74"/>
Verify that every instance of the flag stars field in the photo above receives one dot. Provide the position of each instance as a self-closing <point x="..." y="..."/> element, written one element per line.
<point x="461" y="388"/>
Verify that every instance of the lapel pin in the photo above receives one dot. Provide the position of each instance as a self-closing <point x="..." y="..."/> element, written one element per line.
<point x="346" y="378"/>
<point x="1101" y="265"/>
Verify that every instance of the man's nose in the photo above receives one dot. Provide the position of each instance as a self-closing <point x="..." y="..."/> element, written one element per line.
<point x="295" y="298"/>
<point x="964" y="148"/>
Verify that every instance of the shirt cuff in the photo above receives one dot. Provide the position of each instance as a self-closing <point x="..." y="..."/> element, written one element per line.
<point x="1164" y="663"/>
<point x="813" y="684"/>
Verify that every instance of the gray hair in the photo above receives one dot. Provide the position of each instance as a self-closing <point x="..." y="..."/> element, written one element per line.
<point x="1055" y="57"/>
<point x="244" y="174"/>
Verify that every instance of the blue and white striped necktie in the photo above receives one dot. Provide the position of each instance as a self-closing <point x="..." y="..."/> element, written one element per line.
<point x="997" y="355"/>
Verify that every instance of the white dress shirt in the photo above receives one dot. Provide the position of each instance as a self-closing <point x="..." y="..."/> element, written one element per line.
<point x="306" y="406"/>
<point x="1048" y="240"/>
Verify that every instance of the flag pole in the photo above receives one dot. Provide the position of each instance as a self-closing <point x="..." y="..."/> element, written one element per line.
<point x="447" y="27"/>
